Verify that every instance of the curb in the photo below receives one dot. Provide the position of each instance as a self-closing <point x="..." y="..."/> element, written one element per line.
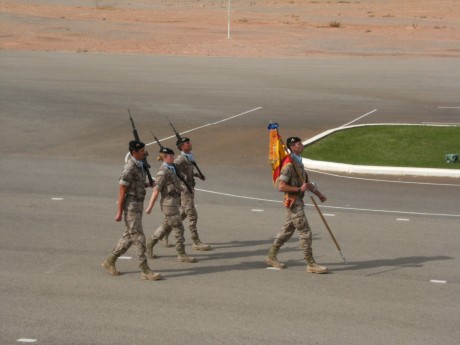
<point x="368" y="169"/>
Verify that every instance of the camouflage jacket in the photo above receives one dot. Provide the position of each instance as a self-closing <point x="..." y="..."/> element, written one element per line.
<point x="186" y="168"/>
<point x="133" y="177"/>
<point x="294" y="175"/>
<point x="169" y="186"/>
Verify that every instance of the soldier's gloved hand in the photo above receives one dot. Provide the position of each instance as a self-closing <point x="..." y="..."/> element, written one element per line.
<point x="321" y="197"/>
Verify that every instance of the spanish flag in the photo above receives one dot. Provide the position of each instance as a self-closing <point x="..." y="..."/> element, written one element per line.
<point x="277" y="152"/>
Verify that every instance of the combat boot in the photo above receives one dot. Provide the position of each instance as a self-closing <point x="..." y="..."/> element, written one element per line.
<point x="147" y="274"/>
<point x="109" y="265"/>
<point x="165" y="242"/>
<point x="272" y="260"/>
<point x="198" y="245"/>
<point x="313" y="267"/>
<point x="149" y="248"/>
<point x="183" y="257"/>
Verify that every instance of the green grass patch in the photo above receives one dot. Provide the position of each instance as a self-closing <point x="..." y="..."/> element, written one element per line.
<point x="399" y="146"/>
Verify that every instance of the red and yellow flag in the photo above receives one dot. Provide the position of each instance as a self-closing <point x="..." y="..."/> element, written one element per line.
<point x="277" y="152"/>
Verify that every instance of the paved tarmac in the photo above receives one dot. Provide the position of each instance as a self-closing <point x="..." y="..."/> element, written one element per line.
<point x="65" y="129"/>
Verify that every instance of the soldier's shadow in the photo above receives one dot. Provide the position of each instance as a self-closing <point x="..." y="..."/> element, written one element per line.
<point x="246" y="251"/>
<point x="220" y="253"/>
<point x="389" y="264"/>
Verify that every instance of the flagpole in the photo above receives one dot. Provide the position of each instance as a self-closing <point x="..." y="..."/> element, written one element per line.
<point x="228" y="19"/>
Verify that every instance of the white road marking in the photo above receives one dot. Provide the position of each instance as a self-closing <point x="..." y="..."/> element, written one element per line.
<point x="336" y="207"/>
<point x="273" y="268"/>
<point x="403" y="219"/>
<point x="438" y="281"/>
<point x="57" y="199"/>
<point x="372" y="111"/>
<point x="256" y="210"/>
<point x="328" y="214"/>
<point x="125" y="257"/>
<point x="26" y="340"/>
<point x="208" y="124"/>
<point x="388" y="181"/>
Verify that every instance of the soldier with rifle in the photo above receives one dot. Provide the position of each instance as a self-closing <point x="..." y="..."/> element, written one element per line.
<point x="130" y="205"/>
<point x="187" y="165"/>
<point x="168" y="185"/>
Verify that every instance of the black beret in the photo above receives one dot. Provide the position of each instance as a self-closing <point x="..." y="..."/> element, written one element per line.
<point x="293" y="140"/>
<point x="166" y="151"/>
<point x="182" y="140"/>
<point x="135" y="145"/>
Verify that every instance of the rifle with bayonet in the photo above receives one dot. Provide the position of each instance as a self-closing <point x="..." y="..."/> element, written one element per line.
<point x="200" y="174"/>
<point x="179" y="174"/>
<point x="146" y="165"/>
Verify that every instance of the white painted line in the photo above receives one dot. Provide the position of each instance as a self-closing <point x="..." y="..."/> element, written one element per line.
<point x="208" y="124"/>
<point x="403" y="219"/>
<point x="328" y="214"/>
<point x="336" y="207"/>
<point x="57" y="199"/>
<point x="26" y="340"/>
<point x="237" y="196"/>
<point x="387" y="181"/>
<point x="125" y="257"/>
<point x="273" y="268"/>
<point x="256" y="210"/>
<point x="438" y="281"/>
<point x="373" y="111"/>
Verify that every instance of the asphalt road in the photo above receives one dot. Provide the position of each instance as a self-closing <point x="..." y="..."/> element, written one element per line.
<point x="65" y="129"/>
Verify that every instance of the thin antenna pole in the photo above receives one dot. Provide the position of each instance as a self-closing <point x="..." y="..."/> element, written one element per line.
<point x="228" y="19"/>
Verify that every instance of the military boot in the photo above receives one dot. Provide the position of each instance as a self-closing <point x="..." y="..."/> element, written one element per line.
<point x="313" y="267"/>
<point x="165" y="242"/>
<point x="147" y="274"/>
<point x="272" y="260"/>
<point x="183" y="257"/>
<point x="198" y="245"/>
<point x="109" y="265"/>
<point x="149" y="246"/>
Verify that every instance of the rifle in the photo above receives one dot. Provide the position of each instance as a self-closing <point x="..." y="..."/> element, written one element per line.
<point x="145" y="163"/>
<point x="178" y="173"/>
<point x="200" y="174"/>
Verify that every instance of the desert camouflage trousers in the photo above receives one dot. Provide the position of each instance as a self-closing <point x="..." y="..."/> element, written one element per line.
<point x="133" y="236"/>
<point x="296" y="220"/>
<point x="171" y="222"/>
<point x="187" y="210"/>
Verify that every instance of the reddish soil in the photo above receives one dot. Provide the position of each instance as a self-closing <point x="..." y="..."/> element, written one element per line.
<point x="258" y="28"/>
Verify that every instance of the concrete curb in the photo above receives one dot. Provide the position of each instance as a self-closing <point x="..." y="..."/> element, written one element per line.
<point x="374" y="170"/>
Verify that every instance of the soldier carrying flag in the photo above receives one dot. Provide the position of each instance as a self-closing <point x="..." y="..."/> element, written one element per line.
<point x="292" y="179"/>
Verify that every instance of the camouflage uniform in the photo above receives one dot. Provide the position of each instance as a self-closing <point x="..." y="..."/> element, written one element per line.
<point x="133" y="177"/>
<point x="169" y="186"/>
<point x="187" y="202"/>
<point x="295" y="215"/>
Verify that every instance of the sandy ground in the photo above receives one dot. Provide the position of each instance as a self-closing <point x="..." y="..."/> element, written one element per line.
<point x="258" y="28"/>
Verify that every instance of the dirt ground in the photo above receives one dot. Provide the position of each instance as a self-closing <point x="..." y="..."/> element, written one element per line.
<point x="257" y="28"/>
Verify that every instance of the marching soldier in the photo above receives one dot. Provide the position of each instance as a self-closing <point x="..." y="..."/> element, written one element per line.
<point x="186" y="163"/>
<point x="293" y="181"/>
<point x="131" y="205"/>
<point x="169" y="187"/>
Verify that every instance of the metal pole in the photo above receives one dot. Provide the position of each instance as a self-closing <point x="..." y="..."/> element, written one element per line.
<point x="228" y="19"/>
